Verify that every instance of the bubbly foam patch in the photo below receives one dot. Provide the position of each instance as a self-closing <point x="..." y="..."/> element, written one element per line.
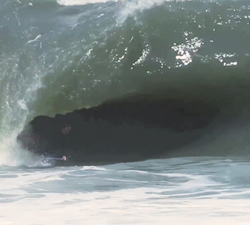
<point x="81" y="2"/>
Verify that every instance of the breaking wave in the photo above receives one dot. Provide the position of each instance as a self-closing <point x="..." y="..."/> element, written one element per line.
<point x="60" y="56"/>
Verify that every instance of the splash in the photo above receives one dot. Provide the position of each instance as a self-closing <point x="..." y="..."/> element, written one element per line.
<point x="18" y="92"/>
<point x="11" y="154"/>
<point x="131" y="8"/>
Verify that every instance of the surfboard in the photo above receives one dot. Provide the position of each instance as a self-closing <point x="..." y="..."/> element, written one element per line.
<point x="52" y="159"/>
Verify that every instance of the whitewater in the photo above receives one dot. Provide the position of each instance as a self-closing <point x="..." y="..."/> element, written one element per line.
<point x="190" y="191"/>
<point x="192" y="57"/>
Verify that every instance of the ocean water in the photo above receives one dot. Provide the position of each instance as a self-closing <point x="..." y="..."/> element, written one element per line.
<point x="64" y="55"/>
<point x="201" y="190"/>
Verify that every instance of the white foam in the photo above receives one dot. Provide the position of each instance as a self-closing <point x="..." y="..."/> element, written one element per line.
<point x="9" y="155"/>
<point x="137" y="171"/>
<point x="18" y="183"/>
<point x="139" y="4"/>
<point x="130" y="8"/>
<point x="134" y="206"/>
<point x="81" y="2"/>
<point x="93" y="168"/>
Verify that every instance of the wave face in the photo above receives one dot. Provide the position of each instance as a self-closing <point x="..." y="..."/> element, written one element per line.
<point x="57" y="57"/>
